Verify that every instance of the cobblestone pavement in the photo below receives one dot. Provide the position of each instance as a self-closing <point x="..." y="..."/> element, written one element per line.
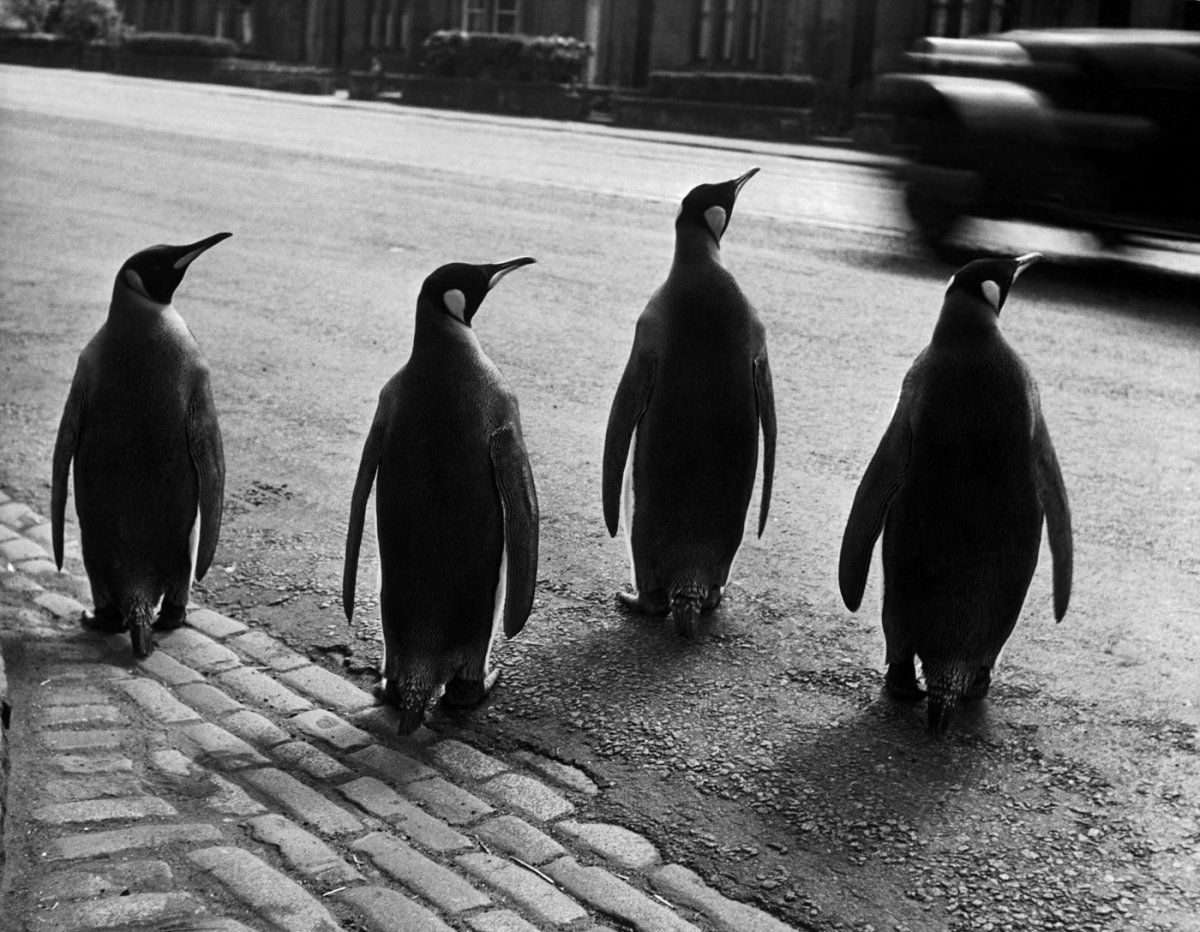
<point x="226" y="783"/>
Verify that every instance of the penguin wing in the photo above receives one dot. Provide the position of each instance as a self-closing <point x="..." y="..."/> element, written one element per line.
<point x="1053" y="495"/>
<point x="368" y="465"/>
<point x="879" y="483"/>
<point x="64" y="451"/>
<point x="518" y="500"/>
<point x="630" y="403"/>
<point x="764" y="395"/>
<point x="208" y="459"/>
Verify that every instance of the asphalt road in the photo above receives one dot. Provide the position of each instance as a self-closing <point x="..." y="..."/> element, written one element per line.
<point x="762" y="753"/>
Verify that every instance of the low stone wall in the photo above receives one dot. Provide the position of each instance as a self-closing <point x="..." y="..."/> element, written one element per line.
<point x="99" y="56"/>
<point x="514" y="98"/>
<point x="780" y="124"/>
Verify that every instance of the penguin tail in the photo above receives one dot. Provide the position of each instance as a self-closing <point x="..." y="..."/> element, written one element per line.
<point x="139" y="613"/>
<point x="409" y="700"/>
<point x="687" y="600"/>
<point x="945" y="687"/>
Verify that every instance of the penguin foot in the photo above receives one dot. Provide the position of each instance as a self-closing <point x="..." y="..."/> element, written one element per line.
<point x="901" y="682"/>
<point x="170" y="616"/>
<point x="981" y="684"/>
<point x="103" y="621"/>
<point x="466" y="694"/>
<point x="642" y="604"/>
<point x="714" y="599"/>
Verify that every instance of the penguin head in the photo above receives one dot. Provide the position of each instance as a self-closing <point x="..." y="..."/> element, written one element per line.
<point x="988" y="280"/>
<point x="153" y="274"/>
<point x="458" y="289"/>
<point x="710" y="205"/>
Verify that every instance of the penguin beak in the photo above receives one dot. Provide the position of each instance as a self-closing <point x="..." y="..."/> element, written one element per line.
<point x="500" y="269"/>
<point x="738" y="182"/>
<point x="1025" y="261"/>
<point x="186" y="254"/>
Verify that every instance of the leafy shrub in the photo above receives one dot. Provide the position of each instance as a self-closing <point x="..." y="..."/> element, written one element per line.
<point x="24" y="14"/>
<point x="33" y="40"/>
<point x="505" y="57"/>
<point x="726" y="87"/>
<point x="180" y="45"/>
<point x="84" y="19"/>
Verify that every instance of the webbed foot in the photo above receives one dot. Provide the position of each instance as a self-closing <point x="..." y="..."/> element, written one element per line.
<point x="466" y="694"/>
<point x="642" y="604"/>
<point x="103" y="621"/>
<point x="901" y="682"/>
<point x="980" y="685"/>
<point x="170" y="616"/>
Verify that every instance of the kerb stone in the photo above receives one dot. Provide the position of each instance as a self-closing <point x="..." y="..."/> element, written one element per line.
<point x="442" y="887"/>
<point x="537" y="897"/>
<point x="612" y="895"/>
<point x="274" y="896"/>
<point x="387" y="910"/>
<point x="685" y="886"/>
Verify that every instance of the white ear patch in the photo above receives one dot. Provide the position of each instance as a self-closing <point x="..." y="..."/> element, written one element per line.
<point x="716" y="219"/>
<point x="135" y="282"/>
<point x="456" y="302"/>
<point x="991" y="291"/>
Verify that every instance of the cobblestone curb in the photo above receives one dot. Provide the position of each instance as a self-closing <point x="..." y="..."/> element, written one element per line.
<point x="226" y="783"/>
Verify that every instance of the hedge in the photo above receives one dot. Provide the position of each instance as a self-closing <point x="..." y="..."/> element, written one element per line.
<point x="182" y="45"/>
<point x="35" y="40"/>
<point x="504" y="57"/>
<point x="722" y="87"/>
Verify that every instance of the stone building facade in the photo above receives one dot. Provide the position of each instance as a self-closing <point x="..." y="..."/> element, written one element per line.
<point x="842" y="42"/>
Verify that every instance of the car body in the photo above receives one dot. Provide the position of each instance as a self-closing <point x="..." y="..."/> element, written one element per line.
<point x="1094" y="129"/>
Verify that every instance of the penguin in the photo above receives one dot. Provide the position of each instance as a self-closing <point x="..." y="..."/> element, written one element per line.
<point x="141" y="427"/>
<point x="960" y="485"/>
<point x="681" y="447"/>
<point x="455" y="504"/>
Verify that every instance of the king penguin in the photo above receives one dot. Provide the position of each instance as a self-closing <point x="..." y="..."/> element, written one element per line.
<point x="455" y="505"/>
<point x="681" y="448"/>
<point x="960" y="485"/>
<point x="141" y="428"/>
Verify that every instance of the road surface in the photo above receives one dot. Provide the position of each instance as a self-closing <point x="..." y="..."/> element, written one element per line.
<point x="762" y="754"/>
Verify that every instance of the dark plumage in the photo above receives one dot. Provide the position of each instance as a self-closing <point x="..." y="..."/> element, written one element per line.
<point x="959" y="486"/>
<point x="682" y="437"/>
<point x="141" y="427"/>
<point x="456" y="508"/>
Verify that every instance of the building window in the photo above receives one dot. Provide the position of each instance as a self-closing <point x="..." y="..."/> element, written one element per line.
<point x="505" y="16"/>
<point x="704" y="30"/>
<point x="752" y="17"/>
<point x="945" y="18"/>
<point x="474" y="16"/>
<point x="728" y="30"/>
<point x="491" y="15"/>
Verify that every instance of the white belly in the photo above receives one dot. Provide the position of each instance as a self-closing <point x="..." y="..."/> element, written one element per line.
<point x="627" y="507"/>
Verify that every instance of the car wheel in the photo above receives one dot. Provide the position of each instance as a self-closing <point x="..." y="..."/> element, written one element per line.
<point x="934" y="216"/>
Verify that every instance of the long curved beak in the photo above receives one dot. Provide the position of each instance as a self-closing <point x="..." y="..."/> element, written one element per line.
<point x="738" y="182"/>
<point x="188" y="253"/>
<point x="498" y="270"/>
<point x="1025" y="261"/>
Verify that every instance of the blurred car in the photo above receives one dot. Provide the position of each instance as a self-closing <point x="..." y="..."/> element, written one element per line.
<point x="1093" y="129"/>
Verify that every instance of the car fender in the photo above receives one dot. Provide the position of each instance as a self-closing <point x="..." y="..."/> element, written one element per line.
<point x="985" y="109"/>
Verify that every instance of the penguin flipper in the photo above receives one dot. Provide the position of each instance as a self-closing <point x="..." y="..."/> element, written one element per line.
<point x="64" y="452"/>
<point x="764" y="395"/>
<point x="883" y="477"/>
<point x="1053" y="495"/>
<point x="518" y="500"/>
<point x="208" y="459"/>
<point x="367" y="467"/>
<point x="629" y="404"/>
